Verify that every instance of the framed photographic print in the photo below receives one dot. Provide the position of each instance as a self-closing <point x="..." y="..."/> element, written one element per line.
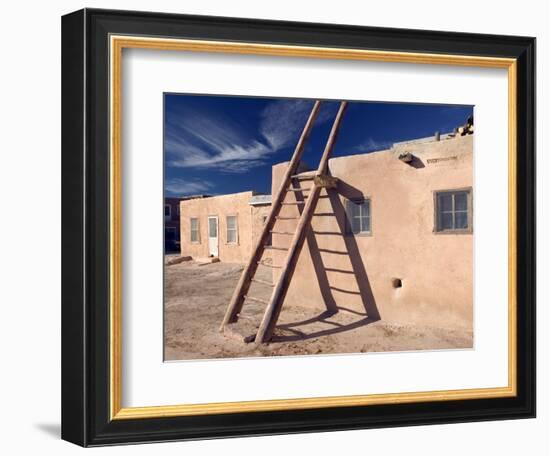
<point x="277" y="227"/>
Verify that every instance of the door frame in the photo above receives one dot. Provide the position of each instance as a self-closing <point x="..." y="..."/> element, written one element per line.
<point x="217" y="235"/>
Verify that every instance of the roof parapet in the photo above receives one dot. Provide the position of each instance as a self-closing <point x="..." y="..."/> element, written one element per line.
<point x="260" y="200"/>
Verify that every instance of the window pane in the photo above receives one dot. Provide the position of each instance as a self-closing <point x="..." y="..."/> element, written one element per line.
<point x="445" y="202"/>
<point x="212" y="228"/>
<point x="355" y="225"/>
<point x="365" y="208"/>
<point x="166" y="210"/>
<point x="194" y="230"/>
<point x="446" y="221"/>
<point x="231" y="222"/>
<point x="353" y="209"/>
<point x="231" y="236"/>
<point x="461" y="201"/>
<point x="365" y="224"/>
<point x="461" y="220"/>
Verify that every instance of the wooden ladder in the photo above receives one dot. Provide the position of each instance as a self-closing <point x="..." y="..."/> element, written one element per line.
<point x="320" y="180"/>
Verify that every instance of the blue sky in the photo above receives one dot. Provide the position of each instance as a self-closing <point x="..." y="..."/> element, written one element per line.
<point x="224" y="144"/>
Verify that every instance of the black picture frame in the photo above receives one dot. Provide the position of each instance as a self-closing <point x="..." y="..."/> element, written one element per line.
<point x="85" y="225"/>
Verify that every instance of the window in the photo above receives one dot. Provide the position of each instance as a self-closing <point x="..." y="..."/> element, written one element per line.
<point x="453" y="211"/>
<point x="213" y="227"/>
<point x="358" y="212"/>
<point x="195" y="230"/>
<point x="231" y="222"/>
<point x="167" y="211"/>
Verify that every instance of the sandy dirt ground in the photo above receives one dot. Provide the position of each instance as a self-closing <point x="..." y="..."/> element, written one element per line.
<point x="196" y="297"/>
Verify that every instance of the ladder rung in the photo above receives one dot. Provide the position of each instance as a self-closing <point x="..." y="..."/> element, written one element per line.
<point x="290" y="233"/>
<point x="305" y="174"/>
<point x="261" y="263"/>
<point x="270" y="247"/>
<point x="300" y="189"/>
<point x="295" y="203"/>
<point x="303" y="177"/>
<point x="286" y="218"/>
<point x="251" y="298"/>
<point x="263" y="282"/>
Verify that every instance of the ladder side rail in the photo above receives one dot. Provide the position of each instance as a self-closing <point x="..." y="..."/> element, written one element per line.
<point x="323" y="164"/>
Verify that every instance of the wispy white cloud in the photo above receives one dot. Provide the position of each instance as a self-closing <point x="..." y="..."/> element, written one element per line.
<point x="282" y="122"/>
<point x="211" y="141"/>
<point x="177" y="186"/>
<point x="371" y="145"/>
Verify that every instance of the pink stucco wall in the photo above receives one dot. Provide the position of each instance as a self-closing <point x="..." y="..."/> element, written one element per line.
<point x="339" y="270"/>
<point x="249" y="222"/>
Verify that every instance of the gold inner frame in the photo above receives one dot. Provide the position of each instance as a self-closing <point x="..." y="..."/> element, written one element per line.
<point x="117" y="44"/>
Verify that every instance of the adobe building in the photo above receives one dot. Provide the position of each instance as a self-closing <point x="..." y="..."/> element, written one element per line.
<point x="225" y="226"/>
<point x="172" y="221"/>
<point x="394" y="239"/>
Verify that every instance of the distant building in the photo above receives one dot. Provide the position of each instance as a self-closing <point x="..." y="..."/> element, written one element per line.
<point x="225" y="226"/>
<point x="172" y="221"/>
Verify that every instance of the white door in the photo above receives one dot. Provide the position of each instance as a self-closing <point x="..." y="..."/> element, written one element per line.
<point x="213" y="236"/>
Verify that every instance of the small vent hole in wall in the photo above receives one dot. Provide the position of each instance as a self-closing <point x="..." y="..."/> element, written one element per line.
<point x="396" y="283"/>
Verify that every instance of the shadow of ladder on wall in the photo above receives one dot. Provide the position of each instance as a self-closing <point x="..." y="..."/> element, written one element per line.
<point x="290" y="183"/>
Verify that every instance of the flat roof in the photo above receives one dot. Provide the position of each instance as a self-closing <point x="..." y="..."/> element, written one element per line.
<point x="184" y="198"/>
<point x="258" y="200"/>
